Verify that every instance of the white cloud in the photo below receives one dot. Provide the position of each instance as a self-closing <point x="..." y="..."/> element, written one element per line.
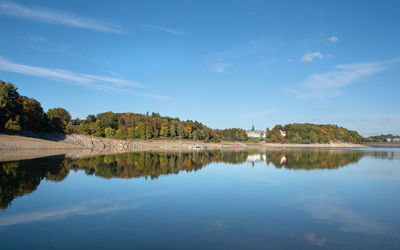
<point x="168" y="30"/>
<point x="219" y="67"/>
<point x="313" y="238"/>
<point x="309" y="57"/>
<point x="332" y="211"/>
<point x="103" y="83"/>
<point x="56" y="17"/>
<point x="113" y="80"/>
<point x="333" y="39"/>
<point x="375" y="124"/>
<point x="325" y="84"/>
<point x="344" y="74"/>
<point x="87" y="80"/>
<point x="88" y="208"/>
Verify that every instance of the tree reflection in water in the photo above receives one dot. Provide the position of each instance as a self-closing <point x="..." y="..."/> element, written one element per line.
<point x="23" y="177"/>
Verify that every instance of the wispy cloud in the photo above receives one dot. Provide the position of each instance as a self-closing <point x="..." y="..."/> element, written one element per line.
<point x="219" y="67"/>
<point x="220" y="61"/>
<point x="344" y="74"/>
<point x="98" y="82"/>
<point x="56" y="17"/>
<point x="389" y="118"/>
<point x="36" y="39"/>
<point x="333" y="39"/>
<point x="329" y="83"/>
<point x="87" y="80"/>
<point x="332" y="211"/>
<point x="88" y="208"/>
<point x="314" y="239"/>
<point x="309" y="57"/>
<point x="375" y="124"/>
<point x="218" y="226"/>
<point x="164" y="29"/>
<point x="66" y="50"/>
<point x="85" y="208"/>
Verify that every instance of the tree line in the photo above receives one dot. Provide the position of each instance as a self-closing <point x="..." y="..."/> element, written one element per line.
<point x="381" y="138"/>
<point x="150" y="126"/>
<point x="20" y="113"/>
<point x="311" y="133"/>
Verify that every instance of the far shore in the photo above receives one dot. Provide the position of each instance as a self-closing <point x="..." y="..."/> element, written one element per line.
<point x="15" y="147"/>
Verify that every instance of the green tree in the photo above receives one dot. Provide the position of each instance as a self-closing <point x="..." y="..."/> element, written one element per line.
<point x="13" y="125"/>
<point x="10" y="106"/>
<point x="108" y="120"/>
<point x="33" y="115"/>
<point x="109" y="132"/>
<point x="164" y="130"/>
<point x="59" y="118"/>
<point x="59" y="113"/>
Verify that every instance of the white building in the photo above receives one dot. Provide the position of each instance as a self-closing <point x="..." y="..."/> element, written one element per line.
<point x="255" y="158"/>
<point x="255" y="133"/>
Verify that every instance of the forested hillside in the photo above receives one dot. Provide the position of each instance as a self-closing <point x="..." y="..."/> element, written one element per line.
<point x="154" y="126"/>
<point x="20" y="113"/>
<point x="312" y="133"/>
<point x="139" y="126"/>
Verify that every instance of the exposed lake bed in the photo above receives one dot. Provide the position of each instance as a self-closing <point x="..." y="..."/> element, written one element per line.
<point x="16" y="147"/>
<point x="282" y="198"/>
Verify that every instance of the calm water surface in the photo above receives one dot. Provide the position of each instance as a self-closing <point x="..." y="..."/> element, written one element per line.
<point x="289" y="199"/>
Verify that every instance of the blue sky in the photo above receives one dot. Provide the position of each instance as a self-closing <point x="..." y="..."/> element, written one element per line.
<point x="224" y="63"/>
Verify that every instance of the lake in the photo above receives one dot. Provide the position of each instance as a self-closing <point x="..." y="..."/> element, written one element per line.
<point x="280" y="199"/>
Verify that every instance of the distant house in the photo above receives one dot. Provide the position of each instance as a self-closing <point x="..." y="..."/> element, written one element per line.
<point x="283" y="133"/>
<point x="255" y="133"/>
<point x="397" y="140"/>
<point x="388" y="139"/>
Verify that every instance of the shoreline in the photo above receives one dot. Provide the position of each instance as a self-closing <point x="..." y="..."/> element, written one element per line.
<point x="17" y="147"/>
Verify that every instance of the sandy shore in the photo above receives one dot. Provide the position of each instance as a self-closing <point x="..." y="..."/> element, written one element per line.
<point x="15" y="142"/>
<point x="13" y="147"/>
